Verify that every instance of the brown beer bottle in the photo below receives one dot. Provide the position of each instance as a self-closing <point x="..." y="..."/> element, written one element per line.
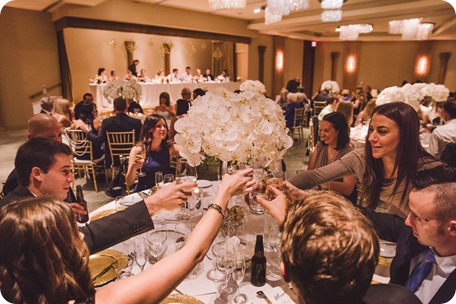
<point x="258" y="266"/>
<point x="81" y="201"/>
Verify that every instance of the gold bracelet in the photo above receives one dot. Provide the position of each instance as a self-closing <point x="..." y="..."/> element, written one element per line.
<point x="217" y="208"/>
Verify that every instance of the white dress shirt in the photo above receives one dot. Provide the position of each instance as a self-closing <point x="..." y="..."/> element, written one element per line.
<point x="441" y="136"/>
<point x="440" y="271"/>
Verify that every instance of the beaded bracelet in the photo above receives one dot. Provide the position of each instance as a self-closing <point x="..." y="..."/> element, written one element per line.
<point x="216" y="208"/>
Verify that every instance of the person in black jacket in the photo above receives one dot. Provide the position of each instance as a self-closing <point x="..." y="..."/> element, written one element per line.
<point x="132" y="67"/>
<point x="43" y="167"/>
<point x="185" y="102"/>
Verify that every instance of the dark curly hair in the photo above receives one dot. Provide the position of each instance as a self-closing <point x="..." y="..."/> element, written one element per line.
<point x="45" y="260"/>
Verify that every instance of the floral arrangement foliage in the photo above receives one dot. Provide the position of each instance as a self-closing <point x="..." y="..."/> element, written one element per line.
<point x="331" y="86"/>
<point x="412" y="94"/>
<point x="245" y="127"/>
<point x="128" y="89"/>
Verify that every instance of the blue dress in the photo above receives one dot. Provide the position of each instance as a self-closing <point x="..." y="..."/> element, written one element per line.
<point x="155" y="161"/>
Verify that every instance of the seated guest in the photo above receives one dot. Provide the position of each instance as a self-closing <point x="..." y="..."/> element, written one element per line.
<point x="198" y="77"/>
<point x="143" y="76"/>
<point x="113" y="77"/>
<point x="154" y="135"/>
<point x="187" y="75"/>
<point x="100" y="77"/>
<point x="365" y="115"/>
<point x="198" y="92"/>
<point x="130" y="76"/>
<point x="61" y="111"/>
<point x="164" y="109"/>
<point x="121" y="122"/>
<point x="53" y="245"/>
<point x="292" y="105"/>
<point x="185" y="102"/>
<point x="43" y="168"/>
<point x="133" y="106"/>
<point x="132" y="67"/>
<point x="160" y="76"/>
<point x="442" y="135"/>
<point x="223" y="77"/>
<point x="282" y="99"/>
<point x="334" y="143"/>
<point x="346" y="109"/>
<point x="89" y="122"/>
<point x="331" y="107"/>
<point x="330" y="251"/>
<point x="47" y="105"/>
<point x="294" y="84"/>
<point x="208" y="75"/>
<point x="86" y="99"/>
<point x="174" y="76"/>
<point x="438" y="118"/>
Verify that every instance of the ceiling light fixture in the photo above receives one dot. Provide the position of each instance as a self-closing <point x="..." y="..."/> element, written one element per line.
<point x="332" y="4"/>
<point x="226" y="4"/>
<point x="281" y="8"/>
<point x="352" y="31"/>
<point x="257" y="11"/>
<point x="411" y="29"/>
<point x="331" y="16"/>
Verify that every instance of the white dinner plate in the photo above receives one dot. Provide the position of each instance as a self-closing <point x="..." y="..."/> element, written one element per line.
<point x="204" y="183"/>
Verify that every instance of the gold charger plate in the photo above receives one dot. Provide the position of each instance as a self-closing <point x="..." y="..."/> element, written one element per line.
<point x="102" y="214"/>
<point x="100" y="261"/>
<point x="180" y="299"/>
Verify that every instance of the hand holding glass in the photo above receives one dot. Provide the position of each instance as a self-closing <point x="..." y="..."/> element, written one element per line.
<point x="141" y="155"/>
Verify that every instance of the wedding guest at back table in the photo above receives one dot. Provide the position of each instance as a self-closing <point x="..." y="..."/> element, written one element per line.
<point x="292" y="105"/>
<point x="187" y="75"/>
<point x="164" y="109"/>
<point x="185" y="102"/>
<point x="100" y="77"/>
<point x="86" y="99"/>
<point x="442" y="135"/>
<point x="62" y="264"/>
<point x="43" y="168"/>
<point x="334" y="143"/>
<point x="133" y="106"/>
<point x="365" y="115"/>
<point x="208" y="75"/>
<point x="329" y="252"/>
<point x="282" y="99"/>
<point x="198" y="92"/>
<point x="113" y="77"/>
<point x="198" y="77"/>
<point x="154" y="135"/>
<point x="223" y="77"/>
<point x="346" y="109"/>
<point x="174" y="76"/>
<point x="47" y="104"/>
<point x="62" y="111"/>
<point x="143" y="76"/>
<point x="331" y="107"/>
<point x="121" y="122"/>
<point x="294" y="84"/>
<point x="383" y="167"/>
<point x="367" y="92"/>
<point x="130" y="76"/>
<point x="132" y="67"/>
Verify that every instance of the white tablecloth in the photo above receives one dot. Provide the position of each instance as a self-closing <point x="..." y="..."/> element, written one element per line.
<point x="151" y="91"/>
<point x="201" y="287"/>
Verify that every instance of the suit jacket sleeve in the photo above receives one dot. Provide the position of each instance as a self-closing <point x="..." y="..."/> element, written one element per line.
<point x="117" y="227"/>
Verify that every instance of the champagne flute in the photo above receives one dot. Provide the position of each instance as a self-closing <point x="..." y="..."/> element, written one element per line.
<point x="238" y="276"/>
<point x="185" y="174"/>
<point x="141" y="154"/>
<point x="140" y="252"/>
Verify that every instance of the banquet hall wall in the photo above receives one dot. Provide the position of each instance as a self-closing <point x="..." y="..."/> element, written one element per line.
<point x="29" y="55"/>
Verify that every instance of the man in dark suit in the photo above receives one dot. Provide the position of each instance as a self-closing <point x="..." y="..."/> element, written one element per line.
<point x="294" y="84"/>
<point x="185" y="102"/>
<point x="132" y="67"/>
<point x="119" y="123"/>
<point x="329" y="252"/>
<point x="87" y="99"/>
<point x="428" y="233"/>
<point x="43" y="168"/>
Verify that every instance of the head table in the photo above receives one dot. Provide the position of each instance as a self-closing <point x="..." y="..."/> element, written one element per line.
<point x="199" y="286"/>
<point x="151" y="91"/>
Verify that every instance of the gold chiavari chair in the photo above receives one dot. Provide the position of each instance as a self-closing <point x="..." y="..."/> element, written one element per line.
<point x="119" y="144"/>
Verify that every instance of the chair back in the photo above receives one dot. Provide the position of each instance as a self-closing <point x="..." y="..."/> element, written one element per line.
<point x="318" y="106"/>
<point x="298" y="117"/>
<point x="120" y="143"/>
<point x="80" y="145"/>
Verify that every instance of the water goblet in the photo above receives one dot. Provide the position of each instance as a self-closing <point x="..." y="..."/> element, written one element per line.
<point x="224" y="262"/>
<point x="157" y="241"/>
<point x="238" y="276"/>
<point x="141" y="152"/>
<point x="215" y="274"/>
<point x="159" y="179"/>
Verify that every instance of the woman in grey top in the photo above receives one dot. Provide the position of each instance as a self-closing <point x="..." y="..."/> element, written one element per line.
<point x="391" y="155"/>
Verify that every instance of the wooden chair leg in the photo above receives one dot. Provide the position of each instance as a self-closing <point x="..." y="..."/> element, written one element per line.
<point x="94" y="176"/>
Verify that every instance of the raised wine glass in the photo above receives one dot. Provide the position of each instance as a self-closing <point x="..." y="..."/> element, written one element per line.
<point x="141" y="152"/>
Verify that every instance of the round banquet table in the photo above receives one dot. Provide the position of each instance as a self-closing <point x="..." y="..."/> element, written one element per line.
<point x="201" y="287"/>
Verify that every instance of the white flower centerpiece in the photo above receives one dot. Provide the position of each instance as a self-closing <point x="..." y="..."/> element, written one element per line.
<point x="412" y="94"/>
<point x="245" y="127"/>
<point x="331" y="86"/>
<point x="128" y="89"/>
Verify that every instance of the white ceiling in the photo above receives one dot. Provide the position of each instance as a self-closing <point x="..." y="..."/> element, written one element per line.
<point x="306" y="24"/>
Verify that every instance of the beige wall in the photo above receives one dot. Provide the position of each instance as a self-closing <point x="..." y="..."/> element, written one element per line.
<point x="384" y="64"/>
<point x="90" y="49"/>
<point x="293" y="55"/>
<point x="268" y="60"/>
<point x="28" y="60"/>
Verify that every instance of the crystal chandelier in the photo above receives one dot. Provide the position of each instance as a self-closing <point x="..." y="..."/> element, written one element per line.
<point x="275" y="8"/>
<point x="331" y="4"/>
<point x="411" y="29"/>
<point x="270" y="17"/>
<point x="352" y="31"/>
<point x="331" y="16"/>
<point x="225" y="4"/>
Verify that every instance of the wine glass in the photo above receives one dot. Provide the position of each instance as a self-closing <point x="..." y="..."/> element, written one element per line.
<point x="141" y="154"/>
<point x="140" y="251"/>
<point x="157" y="241"/>
<point x="159" y="180"/>
<point x="185" y="174"/>
<point x="214" y="274"/>
<point x="224" y="261"/>
<point x="238" y="276"/>
<point x="167" y="179"/>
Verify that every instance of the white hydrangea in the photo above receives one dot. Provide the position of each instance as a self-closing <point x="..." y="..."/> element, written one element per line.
<point x="240" y="127"/>
<point x="128" y="89"/>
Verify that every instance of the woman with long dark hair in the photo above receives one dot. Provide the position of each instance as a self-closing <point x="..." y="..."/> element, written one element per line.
<point x="154" y="134"/>
<point x="334" y="143"/>
<point x="391" y="155"/>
